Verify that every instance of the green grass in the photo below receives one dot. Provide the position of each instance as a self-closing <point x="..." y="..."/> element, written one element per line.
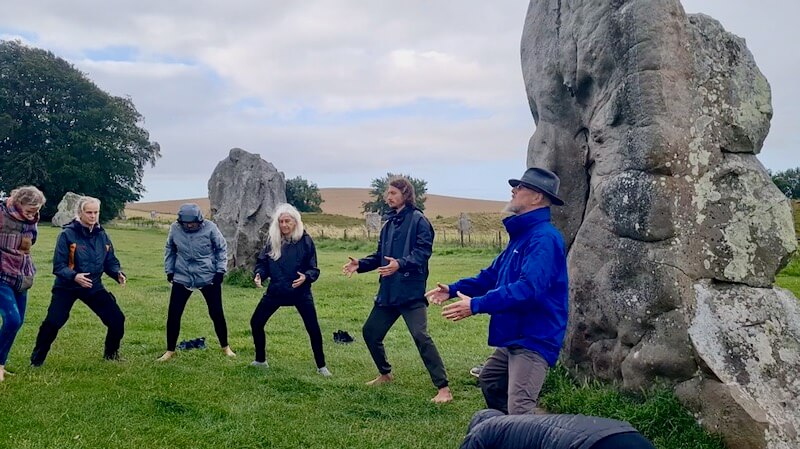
<point x="204" y="400"/>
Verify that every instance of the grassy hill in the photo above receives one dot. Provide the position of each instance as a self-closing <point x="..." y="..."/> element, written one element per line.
<point x="347" y="202"/>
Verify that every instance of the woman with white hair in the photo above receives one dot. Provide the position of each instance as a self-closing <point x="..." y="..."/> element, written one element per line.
<point x="83" y="253"/>
<point x="289" y="260"/>
<point x="19" y="216"/>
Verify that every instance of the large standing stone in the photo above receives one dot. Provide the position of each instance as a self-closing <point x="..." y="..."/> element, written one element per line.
<point x="243" y="191"/>
<point x="66" y="209"/>
<point x="653" y="120"/>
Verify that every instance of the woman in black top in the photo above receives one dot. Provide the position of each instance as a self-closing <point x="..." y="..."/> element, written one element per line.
<point x="289" y="260"/>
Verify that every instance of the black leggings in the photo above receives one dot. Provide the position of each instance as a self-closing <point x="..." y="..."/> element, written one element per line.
<point x="178" y="298"/>
<point x="101" y="302"/>
<point x="268" y="306"/>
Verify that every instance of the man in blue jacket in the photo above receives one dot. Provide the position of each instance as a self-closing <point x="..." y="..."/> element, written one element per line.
<point x="525" y="292"/>
<point x="405" y="245"/>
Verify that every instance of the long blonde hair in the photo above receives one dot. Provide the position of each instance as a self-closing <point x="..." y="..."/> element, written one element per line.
<point x="275" y="237"/>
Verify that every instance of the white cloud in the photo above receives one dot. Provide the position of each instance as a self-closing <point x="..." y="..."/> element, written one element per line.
<point x="340" y="92"/>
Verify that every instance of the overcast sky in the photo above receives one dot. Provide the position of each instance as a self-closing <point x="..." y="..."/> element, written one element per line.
<point x="342" y="91"/>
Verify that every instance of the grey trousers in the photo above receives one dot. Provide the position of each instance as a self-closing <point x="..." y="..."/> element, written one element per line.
<point x="415" y="315"/>
<point x="511" y="380"/>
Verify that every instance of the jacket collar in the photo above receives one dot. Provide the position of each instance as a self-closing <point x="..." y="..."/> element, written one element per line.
<point x="78" y="227"/>
<point x="519" y="224"/>
<point x="393" y="215"/>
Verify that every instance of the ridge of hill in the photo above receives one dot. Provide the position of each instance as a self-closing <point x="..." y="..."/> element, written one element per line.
<point x="347" y="202"/>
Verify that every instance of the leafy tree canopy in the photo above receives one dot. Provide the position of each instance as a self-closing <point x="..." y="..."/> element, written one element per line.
<point x="788" y="182"/>
<point x="303" y="195"/>
<point x="379" y="185"/>
<point x="60" y="132"/>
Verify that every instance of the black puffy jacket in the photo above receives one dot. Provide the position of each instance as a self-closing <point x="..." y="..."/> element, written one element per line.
<point x="491" y="429"/>
<point x="299" y="256"/>
<point x="79" y="250"/>
<point x="408" y="237"/>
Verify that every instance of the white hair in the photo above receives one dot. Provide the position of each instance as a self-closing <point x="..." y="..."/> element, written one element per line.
<point x="275" y="237"/>
<point x="82" y="202"/>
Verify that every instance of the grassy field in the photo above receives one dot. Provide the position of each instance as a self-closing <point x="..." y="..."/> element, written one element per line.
<point x="205" y="400"/>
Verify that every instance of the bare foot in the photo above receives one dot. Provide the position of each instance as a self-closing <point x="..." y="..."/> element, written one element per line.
<point x="442" y="396"/>
<point x="382" y="379"/>
<point x="228" y="351"/>
<point x="167" y="355"/>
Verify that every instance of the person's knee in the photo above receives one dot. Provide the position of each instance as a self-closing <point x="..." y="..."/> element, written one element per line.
<point x="12" y="322"/>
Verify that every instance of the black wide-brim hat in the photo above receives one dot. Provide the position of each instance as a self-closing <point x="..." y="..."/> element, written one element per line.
<point x="542" y="180"/>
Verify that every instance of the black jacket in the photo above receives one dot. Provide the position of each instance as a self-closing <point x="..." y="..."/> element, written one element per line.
<point x="492" y="429"/>
<point x="79" y="250"/>
<point x="299" y="256"/>
<point x="408" y="237"/>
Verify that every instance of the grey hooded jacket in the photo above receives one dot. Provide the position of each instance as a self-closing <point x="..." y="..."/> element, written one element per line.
<point x="194" y="257"/>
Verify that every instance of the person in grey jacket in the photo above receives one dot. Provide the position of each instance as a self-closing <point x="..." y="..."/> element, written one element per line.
<point x="491" y="428"/>
<point x="195" y="257"/>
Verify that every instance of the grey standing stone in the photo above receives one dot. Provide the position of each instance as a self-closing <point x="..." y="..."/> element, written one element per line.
<point x="66" y="209"/>
<point x="243" y="191"/>
<point x="653" y="120"/>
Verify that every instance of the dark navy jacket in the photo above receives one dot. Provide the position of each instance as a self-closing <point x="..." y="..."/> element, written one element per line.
<point x="525" y="289"/>
<point x="408" y="237"/>
<point x="299" y="256"/>
<point x="80" y="251"/>
<point x="491" y="429"/>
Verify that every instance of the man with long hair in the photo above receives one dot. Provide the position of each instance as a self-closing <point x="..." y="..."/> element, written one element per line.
<point x="404" y="248"/>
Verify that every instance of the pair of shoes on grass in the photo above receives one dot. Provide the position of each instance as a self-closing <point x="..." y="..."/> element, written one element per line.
<point x="197" y="343"/>
<point x="341" y="336"/>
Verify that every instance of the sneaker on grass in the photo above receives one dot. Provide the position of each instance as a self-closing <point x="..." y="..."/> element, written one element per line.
<point x="324" y="371"/>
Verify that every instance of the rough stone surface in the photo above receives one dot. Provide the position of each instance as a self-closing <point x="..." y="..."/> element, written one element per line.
<point x="66" y="209"/>
<point x="749" y="338"/>
<point x="653" y="120"/>
<point x="243" y="191"/>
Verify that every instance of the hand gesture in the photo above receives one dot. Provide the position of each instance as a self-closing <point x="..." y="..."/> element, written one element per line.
<point x="390" y="268"/>
<point x="350" y="267"/>
<point x="439" y="294"/>
<point x="299" y="281"/>
<point x="257" y="280"/>
<point x="458" y="310"/>
<point x="83" y="280"/>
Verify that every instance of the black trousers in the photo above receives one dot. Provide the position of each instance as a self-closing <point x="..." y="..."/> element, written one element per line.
<point x="305" y="307"/>
<point x="382" y="318"/>
<point x="178" y="298"/>
<point x="101" y="302"/>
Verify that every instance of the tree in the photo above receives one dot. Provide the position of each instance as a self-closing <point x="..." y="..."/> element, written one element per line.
<point x="60" y="132"/>
<point x="788" y="182"/>
<point x="379" y="185"/>
<point x="303" y="195"/>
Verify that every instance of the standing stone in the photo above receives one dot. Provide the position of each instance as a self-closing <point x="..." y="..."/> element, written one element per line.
<point x="653" y="120"/>
<point x="243" y="191"/>
<point x="66" y="209"/>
